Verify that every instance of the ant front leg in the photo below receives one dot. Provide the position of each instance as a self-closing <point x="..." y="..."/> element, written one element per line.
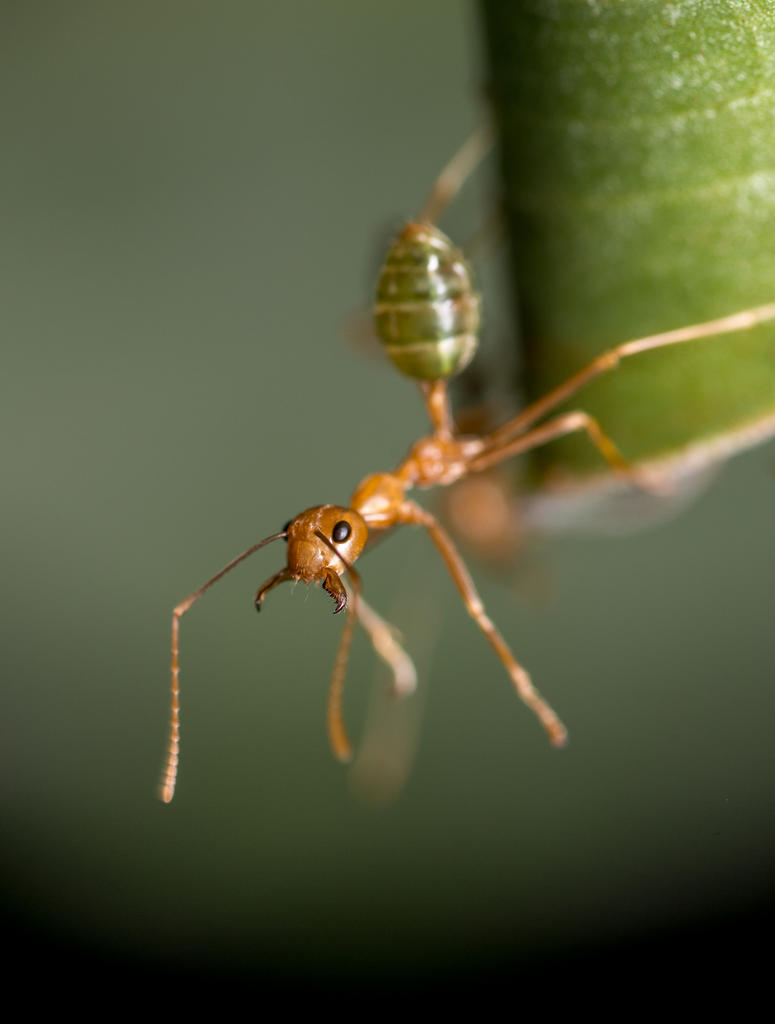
<point x="386" y="645"/>
<point x="417" y="515"/>
<point x="337" y="732"/>
<point x="385" y="639"/>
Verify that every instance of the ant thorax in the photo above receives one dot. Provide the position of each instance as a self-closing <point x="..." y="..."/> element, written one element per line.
<point x="438" y="461"/>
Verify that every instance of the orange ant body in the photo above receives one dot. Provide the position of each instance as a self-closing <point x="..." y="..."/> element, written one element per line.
<point x="427" y="317"/>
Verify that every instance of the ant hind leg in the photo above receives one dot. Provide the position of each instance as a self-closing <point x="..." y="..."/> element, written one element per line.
<point x="457" y="171"/>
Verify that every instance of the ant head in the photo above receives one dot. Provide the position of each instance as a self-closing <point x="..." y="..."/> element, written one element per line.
<point x="323" y="542"/>
<point x="327" y="538"/>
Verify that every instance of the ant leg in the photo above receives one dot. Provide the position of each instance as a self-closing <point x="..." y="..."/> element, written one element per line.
<point x="385" y="641"/>
<point x="387" y="647"/>
<point x="568" y="423"/>
<point x="412" y="513"/>
<point x="610" y="359"/>
<point x="449" y="182"/>
<point x="337" y="732"/>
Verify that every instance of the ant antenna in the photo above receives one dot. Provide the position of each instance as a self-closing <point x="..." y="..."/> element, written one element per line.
<point x="170" y="774"/>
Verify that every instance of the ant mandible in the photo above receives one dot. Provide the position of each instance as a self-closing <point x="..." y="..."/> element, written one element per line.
<point x="427" y="318"/>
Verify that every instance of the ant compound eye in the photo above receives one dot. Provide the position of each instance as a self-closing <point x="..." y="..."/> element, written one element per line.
<point x="285" y="530"/>
<point x="341" y="532"/>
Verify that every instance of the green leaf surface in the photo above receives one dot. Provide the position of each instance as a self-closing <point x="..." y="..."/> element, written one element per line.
<point x="638" y="150"/>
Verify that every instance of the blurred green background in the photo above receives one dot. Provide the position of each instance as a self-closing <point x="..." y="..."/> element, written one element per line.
<point x="194" y="197"/>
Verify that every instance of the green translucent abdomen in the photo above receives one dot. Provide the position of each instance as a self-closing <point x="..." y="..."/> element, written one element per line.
<point x="427" y="312"/>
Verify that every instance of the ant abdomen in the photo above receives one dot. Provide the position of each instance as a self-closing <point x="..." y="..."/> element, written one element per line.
<point x="427" y="310"/>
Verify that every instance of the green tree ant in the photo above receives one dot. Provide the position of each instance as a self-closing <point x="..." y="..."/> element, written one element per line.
<point x="427" y="318"/>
